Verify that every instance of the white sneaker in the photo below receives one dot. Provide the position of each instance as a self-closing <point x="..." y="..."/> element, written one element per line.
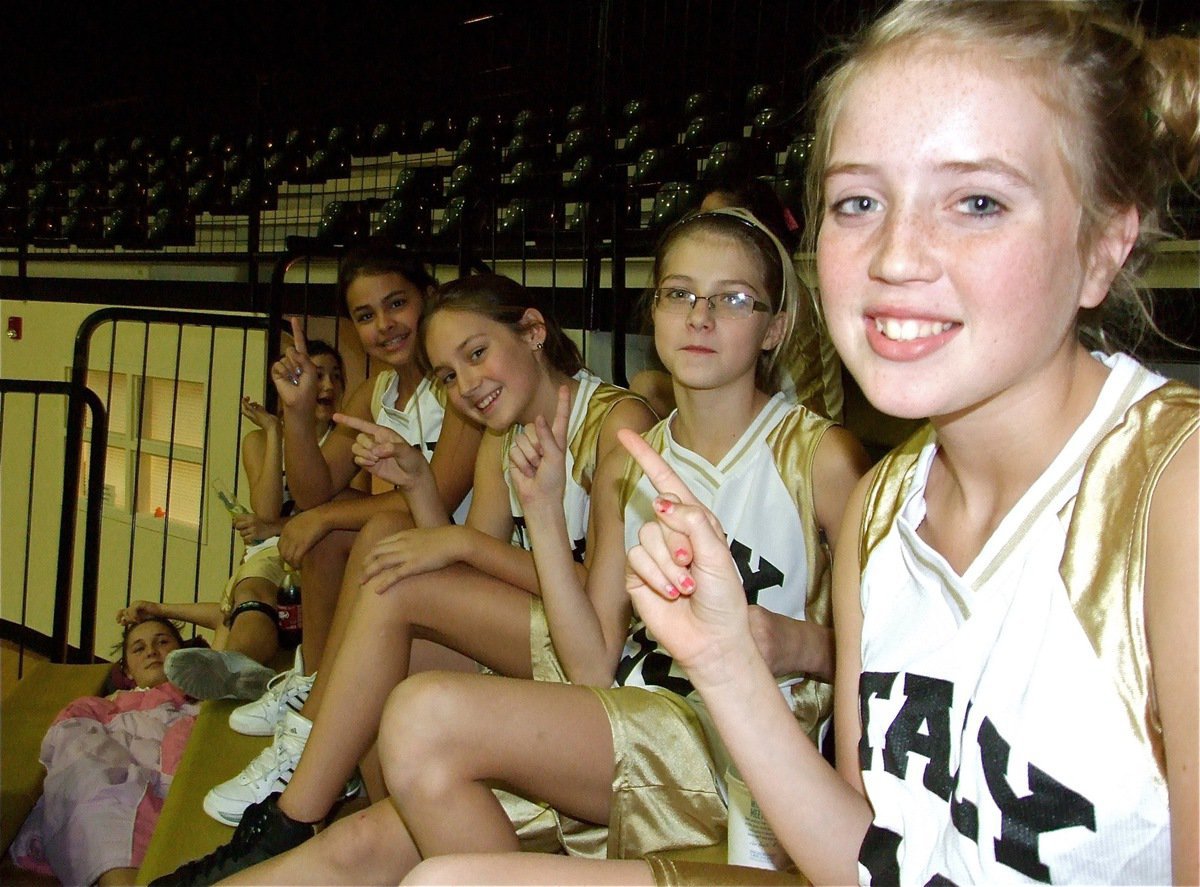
<point x="216" y="674"/>
<point x="285" y="692"/>
<point x="268" y="773"/>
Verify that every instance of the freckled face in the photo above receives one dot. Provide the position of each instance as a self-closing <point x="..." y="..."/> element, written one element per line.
<point x="385" y="309"/>
<point x="146" y="649"/>
<point x="489" y="371"/>
<point x="947" y="256"/>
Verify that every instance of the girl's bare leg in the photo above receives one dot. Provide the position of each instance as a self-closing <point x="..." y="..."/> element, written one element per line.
<point x="370" y="847"/>
<point x="459" y="607"/>
<point x="321" y="578"/>
<point x="253" y="633"/>
<point x="529" y="868"/>
<point x="445" y="738"/>
<point x="349" y="578"/>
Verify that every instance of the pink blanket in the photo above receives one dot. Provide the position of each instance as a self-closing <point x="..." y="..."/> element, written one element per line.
<point x="109" y="763"/>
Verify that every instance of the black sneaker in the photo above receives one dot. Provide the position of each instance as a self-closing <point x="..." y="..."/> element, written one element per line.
<point x="265" y="831"/>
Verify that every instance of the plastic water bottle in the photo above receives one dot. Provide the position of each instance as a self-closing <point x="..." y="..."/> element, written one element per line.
<point x="290" y="618"/>
<point x="226" y="496"/>
<point x="751" y="841"/>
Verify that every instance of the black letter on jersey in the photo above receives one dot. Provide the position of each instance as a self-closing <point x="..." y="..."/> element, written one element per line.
<point x="1048" y="807"/>
<point x="878" y="855"/>
<point x="926" y="704"/>
<point x="767" y="576"/>
<point x="963" y="812"/>
<point x="870" y="684"/>
<point x="657" y="669"/>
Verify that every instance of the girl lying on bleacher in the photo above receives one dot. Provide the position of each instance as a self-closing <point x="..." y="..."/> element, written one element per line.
<point x="109" y="762"/>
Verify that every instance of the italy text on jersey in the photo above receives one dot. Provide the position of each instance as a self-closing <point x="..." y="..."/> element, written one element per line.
<point x="920" y="736"/>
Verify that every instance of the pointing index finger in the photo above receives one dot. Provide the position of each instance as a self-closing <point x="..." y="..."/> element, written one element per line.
<point x="356" y="423"/>
<point x="562" y="415"/>
<point x="661" y="476"/>
<point x="300" y="343"/>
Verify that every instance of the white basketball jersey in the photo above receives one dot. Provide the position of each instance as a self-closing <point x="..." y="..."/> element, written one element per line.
<point x="995" y="746"/>
<point x="589" y="408"/>
<point x="419" y="422"/>
<point x="762" y="495"/>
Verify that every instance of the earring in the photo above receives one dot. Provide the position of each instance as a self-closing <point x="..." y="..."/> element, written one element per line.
<point x="538" y="346"/>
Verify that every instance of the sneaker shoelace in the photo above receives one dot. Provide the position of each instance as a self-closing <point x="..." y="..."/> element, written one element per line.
<point x="286" y="747"/>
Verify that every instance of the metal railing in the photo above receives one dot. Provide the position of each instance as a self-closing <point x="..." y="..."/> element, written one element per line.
<point x="79" y="401"/>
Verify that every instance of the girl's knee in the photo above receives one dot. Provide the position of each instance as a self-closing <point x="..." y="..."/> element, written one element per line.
<point x="255" y="589"/>
<point x="380" y="526"/>
<point x="330" y="549"/>
<point x="368" y="835"/>
<point x="418" y="729"/>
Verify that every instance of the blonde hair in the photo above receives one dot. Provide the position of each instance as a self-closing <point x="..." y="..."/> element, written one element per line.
<point x="1129" y="107"/>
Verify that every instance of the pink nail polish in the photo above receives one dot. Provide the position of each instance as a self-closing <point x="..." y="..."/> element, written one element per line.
<point x="688" y="583"/>
<point x="672" y="592"/>
<point x="681" y="554"/>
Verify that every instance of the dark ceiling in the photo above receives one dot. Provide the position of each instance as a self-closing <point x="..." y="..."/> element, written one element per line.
<point x="86" y="68"/>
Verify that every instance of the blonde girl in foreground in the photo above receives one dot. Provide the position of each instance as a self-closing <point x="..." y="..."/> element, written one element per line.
<point x="1015" y="600"/>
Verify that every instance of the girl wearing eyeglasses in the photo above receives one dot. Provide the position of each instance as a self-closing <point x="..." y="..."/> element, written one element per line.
<point x="613" y="756"/>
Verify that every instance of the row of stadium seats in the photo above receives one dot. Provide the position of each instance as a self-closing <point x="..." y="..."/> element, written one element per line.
<point x="534" y="170"/>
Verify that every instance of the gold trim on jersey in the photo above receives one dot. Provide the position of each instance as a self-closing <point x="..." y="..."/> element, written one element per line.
<point x="772" y="412"/>
<point x="793" y="441"/>
<point x="1104" y="558"/>
<point x="1104" y="564"/>
<point x="585" y="441"/>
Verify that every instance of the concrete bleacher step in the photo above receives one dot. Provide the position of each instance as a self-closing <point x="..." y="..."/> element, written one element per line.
<point x="214" y="754"/>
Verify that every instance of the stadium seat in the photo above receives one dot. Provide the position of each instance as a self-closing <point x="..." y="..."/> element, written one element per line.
<point x="167" y="227"/>
<point x="699" y="103"/>
<point x="584" y="178"/>
<point x="84" y="228"/>
<point x="124" y="227"/>
<point x="528" y="178"/>
<point x="466" y="179"/>
<point x="770" y="128"/>
<point x="242" y="198"/>
<point x="328" y="163"/>
<point x="671" y="201"/>
<point x="343" y="222"/>
<point x="127" y="193"/>
<point x="581" y="115"/>
<point x="737" y="160"/>
<point x="704" y="130"/>
<point x="523" y="218"/>
<point x="43" y="225"/>
<point x="758" y="97"/>
<point x="656" y="165"/>
<point x="201" y="197"/>
<point x="581" y="141"/>
<point x="477" y="151"/>
<point x="405" y="219"/>
<point x="88" y="194"/>
<point x="796" y="162"/>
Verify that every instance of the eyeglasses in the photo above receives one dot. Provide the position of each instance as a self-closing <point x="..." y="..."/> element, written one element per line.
<point x="676" y="300"/>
